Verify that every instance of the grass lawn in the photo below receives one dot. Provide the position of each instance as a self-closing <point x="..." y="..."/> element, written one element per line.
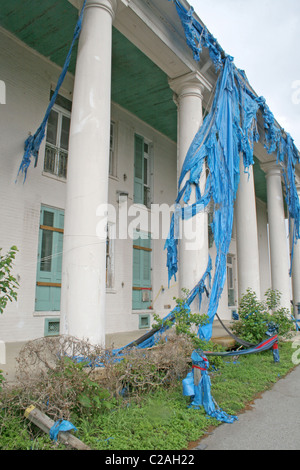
<point x="161" y="420"/>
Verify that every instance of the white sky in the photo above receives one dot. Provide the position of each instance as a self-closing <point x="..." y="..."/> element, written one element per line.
<point x="263" y="36"/>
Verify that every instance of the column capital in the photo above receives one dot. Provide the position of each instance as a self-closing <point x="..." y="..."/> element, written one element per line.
<point x="109" y="5"/>
<point x="272" y="168"/>
<point x="191" y="84"/>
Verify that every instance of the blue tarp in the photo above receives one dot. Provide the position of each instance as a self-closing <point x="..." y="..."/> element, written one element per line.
<point x="197" y="385"/>
<point x="228" y="133"/>
<point x="61" y="425"/>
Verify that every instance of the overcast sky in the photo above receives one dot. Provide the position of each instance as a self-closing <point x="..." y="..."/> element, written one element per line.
<point x="263" y="36"/>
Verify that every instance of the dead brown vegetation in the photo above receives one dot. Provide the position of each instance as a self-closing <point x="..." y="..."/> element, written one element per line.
<point x="53" y="372"/>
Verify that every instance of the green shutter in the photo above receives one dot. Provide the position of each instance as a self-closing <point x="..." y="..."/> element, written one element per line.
<point x="49" y="260"/>
<point x="138" y="170"/>
<point x="141" y="272"/>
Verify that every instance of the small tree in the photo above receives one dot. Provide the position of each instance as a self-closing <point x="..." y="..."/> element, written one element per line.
<point x="8" y="283"/>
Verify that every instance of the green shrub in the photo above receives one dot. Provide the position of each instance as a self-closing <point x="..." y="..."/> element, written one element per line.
<point x="256" y="315"/>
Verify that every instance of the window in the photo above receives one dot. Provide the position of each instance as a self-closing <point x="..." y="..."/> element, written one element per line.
<point x="110" y="256"/>
<point x="112" y="157"/>
<point x="141" y="290"/>
<point x="48" y="284"/>
<point x="57" y="142"/>
<point x="142" y="172"/>
<point x="230" y="281"/>
<point x="144" y="321"/>
<point x="51" y="327"/>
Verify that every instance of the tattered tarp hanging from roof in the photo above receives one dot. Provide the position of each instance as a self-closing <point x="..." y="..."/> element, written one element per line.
<point x="227" y="134"/>
<point x="33" y="142"/>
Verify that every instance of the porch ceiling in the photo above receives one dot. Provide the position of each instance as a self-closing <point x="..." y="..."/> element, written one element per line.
<point x="138" y="84"/>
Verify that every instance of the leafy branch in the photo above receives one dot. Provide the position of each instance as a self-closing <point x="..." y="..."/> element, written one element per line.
<point x="8" y="283"/>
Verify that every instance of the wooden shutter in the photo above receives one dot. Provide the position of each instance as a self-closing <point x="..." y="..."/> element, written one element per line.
<point x="141" y="273"/>
<point x="49" y="260"/>
<point x="138" y="170"/>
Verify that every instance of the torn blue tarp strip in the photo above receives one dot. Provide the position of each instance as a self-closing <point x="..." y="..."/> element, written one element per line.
<point x="263" y="346"/>
<point x="197" y="385"/>
<point x="225" y="134"/>
<point x="33" y="142"/>
<point x="228" y="134"/>
<point x="198" y="36"/>
<point x="60" y="426"/>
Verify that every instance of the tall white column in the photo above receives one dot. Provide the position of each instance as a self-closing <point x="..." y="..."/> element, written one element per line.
<point x="193" y="245"/>
<point x="279" y="250"/>
<point x="296" y="272"/>
<point x="84" y="258"/>
<point x="246" y="234"/>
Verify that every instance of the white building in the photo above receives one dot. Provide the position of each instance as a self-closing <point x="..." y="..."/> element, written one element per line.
<point x="118" y="135"/>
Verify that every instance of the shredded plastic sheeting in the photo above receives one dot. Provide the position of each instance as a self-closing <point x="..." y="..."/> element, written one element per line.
<point x="60" y="426"/>
<point x="263" y="346"/>
<point x="197" y="385"/>
<point x="228" y="133"/>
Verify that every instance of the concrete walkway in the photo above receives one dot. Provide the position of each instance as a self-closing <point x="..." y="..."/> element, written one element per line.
<point x="273" y="423"/>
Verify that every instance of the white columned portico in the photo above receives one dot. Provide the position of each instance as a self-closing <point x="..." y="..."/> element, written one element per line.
<point x="84" y="258"/>
<point x="247" y="235"/>
<point x="279" y="251"/>
<point x="296" y="272"/>
<point x="193" y="245"/>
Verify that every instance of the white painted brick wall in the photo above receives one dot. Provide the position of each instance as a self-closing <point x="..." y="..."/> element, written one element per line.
<point x="28" y="79"/>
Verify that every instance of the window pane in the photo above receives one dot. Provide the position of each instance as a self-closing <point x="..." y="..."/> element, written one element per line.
<point x="46" y="253"/>
<point x="49" y="161"/>
<point x="138" y="161"/>
<point x="147" y="199"/>
<point x="147" y="265"/>
<point x="48" y="218"/>
<point x="145" y="171"/>
<point x="65" y="132"/>
<point x="52" y="128"/>
<point x="231" y="296"/>
<point x="62" y="164"/>
<point x="111" y="136"/>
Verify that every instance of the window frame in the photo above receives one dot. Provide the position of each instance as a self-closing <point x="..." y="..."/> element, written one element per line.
<point x="111" y="235"/>
<point x="62" y="112"/>
<point x="141" y="180"/>
<point x="231" y="284"/>
<point x="49" y="279"/>
<point x="141" y="286"/>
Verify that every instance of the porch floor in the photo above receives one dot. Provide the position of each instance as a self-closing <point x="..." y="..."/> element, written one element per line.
<point x="112" y="340"/>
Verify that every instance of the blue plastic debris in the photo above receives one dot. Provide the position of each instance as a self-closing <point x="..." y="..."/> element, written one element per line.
<point x="59" y="426"/>
<point x="197" y="385"/>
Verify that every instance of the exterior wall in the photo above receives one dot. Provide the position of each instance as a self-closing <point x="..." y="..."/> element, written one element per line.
<point x="28" y="79"/>
<point x="119" y="311"/>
